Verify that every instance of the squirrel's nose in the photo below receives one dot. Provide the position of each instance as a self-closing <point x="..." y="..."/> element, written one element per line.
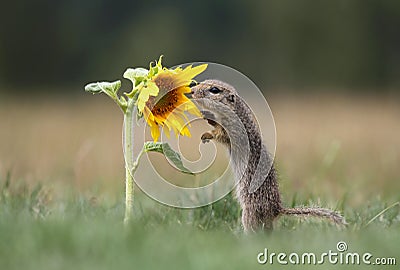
<point x="192" y="84"/>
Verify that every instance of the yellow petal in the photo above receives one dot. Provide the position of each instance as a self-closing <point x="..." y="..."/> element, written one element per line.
<point x="150" y="89"/>
<point x="184" y="90"/>
<point x="148" y="114"/>
<point x="190" y="72"/>
<point x="167" y="125"/>
<point x="174" y="122"/>
<point x="185" y="132"/>
<point x="155" y="132"/>
<point x="191" y="108"/>
<point x="167" y="131"/>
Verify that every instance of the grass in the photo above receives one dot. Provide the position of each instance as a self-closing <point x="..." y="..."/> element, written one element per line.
<point x="61" y="183"/>
<point x="87" y="233"/>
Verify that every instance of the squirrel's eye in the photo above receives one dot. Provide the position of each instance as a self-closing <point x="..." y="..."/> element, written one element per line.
<point x="215" y="90"/>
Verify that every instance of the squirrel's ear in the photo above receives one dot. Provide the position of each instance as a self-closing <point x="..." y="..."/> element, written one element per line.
<point x="231" y="98"/>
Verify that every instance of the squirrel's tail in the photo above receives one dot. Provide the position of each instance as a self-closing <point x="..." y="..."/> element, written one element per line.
<point x="315" y="212"/>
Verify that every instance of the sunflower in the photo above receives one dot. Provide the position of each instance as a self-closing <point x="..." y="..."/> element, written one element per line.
<point x="162" y="99"/>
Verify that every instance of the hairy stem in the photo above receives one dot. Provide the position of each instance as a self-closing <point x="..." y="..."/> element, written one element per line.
<point x="130" y="165"/>
<point x="129" y="188"/>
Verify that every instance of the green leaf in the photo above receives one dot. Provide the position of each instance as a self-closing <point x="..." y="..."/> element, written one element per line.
<point x="122" y="101"/>
<point x="175" y="158"/>
<point x="109" y="88"/>
<point x="169" y="153"/>
<point x="93" y="88"/>
<point x="153" y="147"/>
<point x="135" y="75"/>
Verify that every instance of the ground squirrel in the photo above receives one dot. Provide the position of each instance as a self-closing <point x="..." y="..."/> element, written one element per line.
<point x="225" y="109"/>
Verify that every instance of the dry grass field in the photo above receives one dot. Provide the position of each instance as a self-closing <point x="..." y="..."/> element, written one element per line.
<point x="327" y="146"/>
<point x="337" y="151"/>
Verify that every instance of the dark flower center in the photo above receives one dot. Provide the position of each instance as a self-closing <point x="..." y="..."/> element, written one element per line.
<point x="165" y="104"/>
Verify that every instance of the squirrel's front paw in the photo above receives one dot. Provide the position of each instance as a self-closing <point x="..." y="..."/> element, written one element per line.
<point x="206" y="137"/>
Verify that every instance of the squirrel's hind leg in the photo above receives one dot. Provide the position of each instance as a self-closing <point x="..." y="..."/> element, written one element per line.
<point x="253" y="221"/>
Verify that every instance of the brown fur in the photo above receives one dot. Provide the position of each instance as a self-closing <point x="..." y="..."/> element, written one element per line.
<point x="262" y="207"/>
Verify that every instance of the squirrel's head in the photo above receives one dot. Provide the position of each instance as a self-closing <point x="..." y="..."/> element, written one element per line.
<point x="215" y="90"/>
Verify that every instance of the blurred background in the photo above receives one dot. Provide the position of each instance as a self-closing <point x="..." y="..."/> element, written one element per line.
<point x="330" y="71"/>
<point x="352" y="45"/>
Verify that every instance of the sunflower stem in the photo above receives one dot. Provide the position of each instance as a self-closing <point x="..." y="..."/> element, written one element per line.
<point x="130" y="165"/>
